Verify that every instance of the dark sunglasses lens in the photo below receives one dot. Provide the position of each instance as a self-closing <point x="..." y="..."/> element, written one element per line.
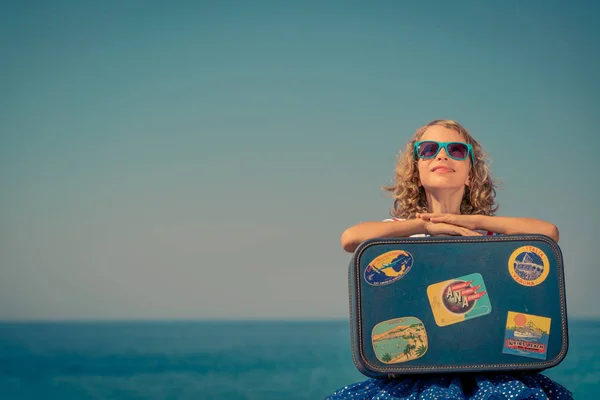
<point x="458" y="150"/>
<point x="428" y="149"/>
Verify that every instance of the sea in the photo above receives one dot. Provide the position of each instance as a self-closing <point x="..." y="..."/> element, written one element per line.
<point x="266" y="360"/>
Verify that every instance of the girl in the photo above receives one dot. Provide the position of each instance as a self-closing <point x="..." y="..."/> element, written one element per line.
<point x="443" y="187"/>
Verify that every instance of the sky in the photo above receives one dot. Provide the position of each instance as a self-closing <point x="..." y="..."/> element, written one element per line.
<point x="189" y="159"/>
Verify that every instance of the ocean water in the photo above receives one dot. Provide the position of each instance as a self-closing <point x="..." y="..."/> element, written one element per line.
<point x="212" y="360"/>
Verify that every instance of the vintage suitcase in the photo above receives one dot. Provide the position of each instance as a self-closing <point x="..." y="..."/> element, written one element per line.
<point x="457" y="304"/>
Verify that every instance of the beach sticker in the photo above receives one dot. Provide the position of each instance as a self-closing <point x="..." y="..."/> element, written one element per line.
<point x="388" y="267"/>
<point x="460" y="299"/>
<point x="526" y="335"/>
<point x="528" y="266"/>
<point x="399" y="340"/>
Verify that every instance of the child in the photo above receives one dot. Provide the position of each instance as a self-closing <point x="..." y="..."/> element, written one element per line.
<point x="443" y="187"/>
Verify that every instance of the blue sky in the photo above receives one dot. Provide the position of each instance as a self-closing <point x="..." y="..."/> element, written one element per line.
<point x="201" y="159"/>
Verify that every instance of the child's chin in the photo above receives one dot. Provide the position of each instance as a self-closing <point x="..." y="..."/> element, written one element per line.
<point x="440" y="184"/>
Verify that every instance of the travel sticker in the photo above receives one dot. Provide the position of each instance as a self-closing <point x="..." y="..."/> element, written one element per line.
<point x="528" y="266"/>
<point x="460" y="299"/>
<point x="399" y="340"/>
<point x="388" y="267"/>
<point x="526" y="335"/>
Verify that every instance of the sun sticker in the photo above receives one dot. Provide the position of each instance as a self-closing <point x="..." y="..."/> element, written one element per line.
<point x="526" y="335"/>
<point x="388" y="267"/>
<point x="399" y="340"/>
<point x="528" y="266"/>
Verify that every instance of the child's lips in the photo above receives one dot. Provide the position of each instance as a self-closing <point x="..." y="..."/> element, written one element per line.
<point x="442" y="170"/>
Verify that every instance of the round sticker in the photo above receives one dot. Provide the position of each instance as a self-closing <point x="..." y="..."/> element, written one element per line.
<point x="388" y="267"/>
<point x="528" y="266"/>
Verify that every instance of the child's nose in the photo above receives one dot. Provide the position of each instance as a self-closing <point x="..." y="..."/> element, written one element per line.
<point x="442" y="156"/>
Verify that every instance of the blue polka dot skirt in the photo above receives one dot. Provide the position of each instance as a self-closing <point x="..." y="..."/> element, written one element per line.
<point x="456" y="387"/>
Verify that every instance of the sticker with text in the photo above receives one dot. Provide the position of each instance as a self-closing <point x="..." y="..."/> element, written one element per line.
<point x="460" y="299"/>
<point x="528" y="266"/>
<point x="399" y="340"/>
<point x="526" y="335"/>
<point x="388" y="267"/>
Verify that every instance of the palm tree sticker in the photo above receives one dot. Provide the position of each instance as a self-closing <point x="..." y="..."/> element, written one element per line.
<point x="399" y="340"/>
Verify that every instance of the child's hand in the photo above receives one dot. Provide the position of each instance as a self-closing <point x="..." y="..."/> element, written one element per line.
<point x="465" y="221"/>
<point x="441" y="228"/>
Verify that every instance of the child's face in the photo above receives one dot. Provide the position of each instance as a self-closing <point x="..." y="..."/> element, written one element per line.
<point x="443" y="172"/>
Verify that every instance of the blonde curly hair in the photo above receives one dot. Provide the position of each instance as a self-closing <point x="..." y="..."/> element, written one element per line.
<point x="409" y="196"/>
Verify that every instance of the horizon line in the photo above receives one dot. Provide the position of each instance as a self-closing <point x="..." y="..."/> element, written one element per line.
<point x="174" y="319"/>
<point x="209" y="319"/>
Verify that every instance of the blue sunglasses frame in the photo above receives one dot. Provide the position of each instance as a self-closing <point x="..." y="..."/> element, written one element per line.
<point x="444" y="145"/>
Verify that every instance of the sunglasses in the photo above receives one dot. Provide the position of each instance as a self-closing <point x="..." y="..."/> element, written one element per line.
<point x="455" y="150"/>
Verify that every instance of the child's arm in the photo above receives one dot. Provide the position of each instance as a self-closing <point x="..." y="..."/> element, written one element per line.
<point x="357" y="234"/>
<point x="503" y="225"/>
<point x="516" y="226"/>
